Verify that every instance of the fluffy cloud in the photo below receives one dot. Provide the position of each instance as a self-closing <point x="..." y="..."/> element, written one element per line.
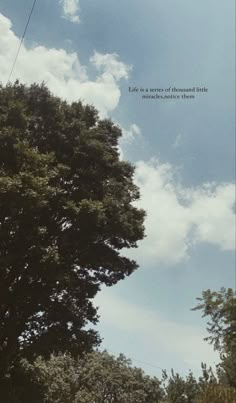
<point x="62" y="71"/>
<point x="180" y="217"/>
<point x="165" y="336"/>
<point x="110" y="65"/>
<point x="131" y="134"/>
<point x="70" y="10"/>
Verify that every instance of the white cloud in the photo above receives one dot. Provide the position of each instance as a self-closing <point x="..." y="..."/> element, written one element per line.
<point x="213" y="212"/>
<point x="62" y="71"/>
<point x="131" y="134"/>
<point x="180" y="217"/>
<point x="70" y="10"/>
<point x="109" y="64"/>
<point x="181" y="340"/>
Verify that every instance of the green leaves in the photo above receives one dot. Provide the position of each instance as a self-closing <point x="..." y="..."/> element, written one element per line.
<point x="220" y="307"/>
<point x="96" y="377"/>
<point x="217" y="394"/>
<point x="66" y="212"/>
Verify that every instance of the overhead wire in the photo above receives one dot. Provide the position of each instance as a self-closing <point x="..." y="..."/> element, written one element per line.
<point x="141" y="362"/>
<point x="147" y="363"/>
<point x="21" y="42"/>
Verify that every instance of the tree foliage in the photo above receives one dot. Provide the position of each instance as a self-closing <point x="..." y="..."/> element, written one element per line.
<point x="217" y="394"/>
<point x="220" y="308"/>
<point x="66" y="212"/>
<point x="94" y="378"/>
<point x="100" y="378"/>
<point x="179" y="389"/>
<point x="208" y="388"/>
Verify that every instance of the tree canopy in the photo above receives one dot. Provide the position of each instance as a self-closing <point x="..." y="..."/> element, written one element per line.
<point x="99" y="377"/>
<point x="96" y="377"/>
<point x="66" y="212"/>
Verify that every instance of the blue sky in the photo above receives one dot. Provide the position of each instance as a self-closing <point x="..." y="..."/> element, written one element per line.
<point x="184" y="150"/>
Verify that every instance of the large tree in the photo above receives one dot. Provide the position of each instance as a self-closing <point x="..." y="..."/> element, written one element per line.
<point x="66" y="212"/>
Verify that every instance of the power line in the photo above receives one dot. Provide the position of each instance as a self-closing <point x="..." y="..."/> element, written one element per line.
<point x="23" y="36"/>
<point x="141" y="362"/>
<point x="146" y="363"/>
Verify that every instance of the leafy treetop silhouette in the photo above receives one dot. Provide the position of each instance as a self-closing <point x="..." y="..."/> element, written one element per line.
<point x="66" y="212"/>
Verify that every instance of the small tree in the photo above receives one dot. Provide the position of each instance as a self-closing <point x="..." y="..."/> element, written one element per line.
<point x="179" y="389"/>
<point x="220" y="307"/>
<point x="66" y="212"/>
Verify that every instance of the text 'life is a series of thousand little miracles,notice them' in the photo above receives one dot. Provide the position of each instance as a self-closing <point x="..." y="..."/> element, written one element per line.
<point x="168" y="92"/>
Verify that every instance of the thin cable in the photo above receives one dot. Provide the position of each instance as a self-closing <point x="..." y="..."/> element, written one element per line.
<point x="147" y="363"/>
<point x="23" y="36"/>
<point x="142" y="362"/>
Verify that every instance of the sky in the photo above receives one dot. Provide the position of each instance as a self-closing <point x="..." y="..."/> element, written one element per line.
<point x="183" y="150"/>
